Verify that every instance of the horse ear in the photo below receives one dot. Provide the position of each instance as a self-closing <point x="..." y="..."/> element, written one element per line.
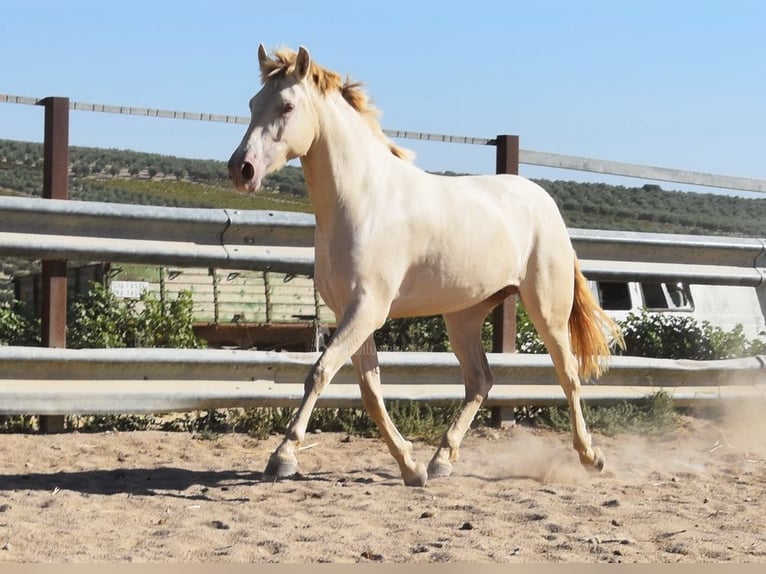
<point x="302" y="63"/>
<point x="263" y="57"/>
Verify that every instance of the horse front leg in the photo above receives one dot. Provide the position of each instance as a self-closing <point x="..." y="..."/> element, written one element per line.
<point x="358" y="323"/>
<point x="366" y="365"/>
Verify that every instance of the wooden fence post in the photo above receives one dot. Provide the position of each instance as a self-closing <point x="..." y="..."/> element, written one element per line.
<point x="504" y="315"/>
<point x="54" y="272"/>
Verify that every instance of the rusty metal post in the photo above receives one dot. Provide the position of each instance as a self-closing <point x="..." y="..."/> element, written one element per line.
<point x="54" y="273"/>
<point x="504" y="315"/>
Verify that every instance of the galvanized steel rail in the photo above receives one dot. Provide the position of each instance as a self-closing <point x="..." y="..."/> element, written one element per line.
<point x="82" y="230"/>
<point x="103" y="381"/>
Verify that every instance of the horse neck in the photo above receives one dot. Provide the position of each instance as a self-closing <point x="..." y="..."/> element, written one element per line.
<point x="343" y="159"/>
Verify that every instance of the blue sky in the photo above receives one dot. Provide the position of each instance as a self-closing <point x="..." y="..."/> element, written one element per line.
<point x="674" y="84"/>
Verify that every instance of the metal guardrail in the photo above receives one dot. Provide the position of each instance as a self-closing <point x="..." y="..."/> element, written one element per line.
<point x="283" y="242"/>
<point x="103" y="381"/>
<point x="78" y="230"/>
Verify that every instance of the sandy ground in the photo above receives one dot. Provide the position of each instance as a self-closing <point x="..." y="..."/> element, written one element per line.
<point x="517" y="495"/>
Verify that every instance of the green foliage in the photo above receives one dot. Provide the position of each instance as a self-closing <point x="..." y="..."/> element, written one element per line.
<point x="423" y="421"/>
<point x="287" y="181"/>
<point x="660" y="335"/>
<point x="260" y="422"/>
<point x="183" y="194"/>
<point x="527" y="339"/>
<point x="427" y="334"/>
<point x="682" y="337"/>
<point x="19" y="424"/>
<point x="98" y="319"/>
<point x="17" y="325"/>
<point x="104" y="423"/>
<point x="413" y="419"/>
<point x="166" y="323"/>
<point x="416" y="334"/>
<point x="650" y="208"/>
<point x="11" y="267"/>
<point x="655" y="415"/>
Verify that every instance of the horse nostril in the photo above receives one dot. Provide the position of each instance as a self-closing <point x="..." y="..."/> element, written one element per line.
<point x="247" y="171"/>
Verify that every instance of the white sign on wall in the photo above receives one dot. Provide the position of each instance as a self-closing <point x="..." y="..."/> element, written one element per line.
<point x="128" y="289"/>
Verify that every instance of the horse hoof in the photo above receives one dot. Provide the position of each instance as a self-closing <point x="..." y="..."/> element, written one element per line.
<point x="439" y="469"/>
<point x="595" y="462"/>
<point x="416" y="478"/>
<point x="280" y="468"/>
<point x="598" y="462"/>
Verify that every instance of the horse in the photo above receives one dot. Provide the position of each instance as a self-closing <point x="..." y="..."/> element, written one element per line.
<point x="394" y="241"/>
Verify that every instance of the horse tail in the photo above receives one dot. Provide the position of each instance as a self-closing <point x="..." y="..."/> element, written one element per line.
<point x="590" y="329"/>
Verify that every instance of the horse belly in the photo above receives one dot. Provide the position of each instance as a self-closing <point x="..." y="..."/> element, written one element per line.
<point x="462" y="261"/>
<point x="441" y="302"/>
<point x="429" y="291"/>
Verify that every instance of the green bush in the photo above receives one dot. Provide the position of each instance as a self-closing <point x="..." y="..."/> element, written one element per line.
<point x="682" y="337"/>
<point x="17" y="325"/>
<point x="98" y="319"/>
<point x="429" y="334"/>
<point x="658" y="335"/>
<point x="662" y="335"/>
<point x="527" y="339"/>
<point x="417" y="334"/>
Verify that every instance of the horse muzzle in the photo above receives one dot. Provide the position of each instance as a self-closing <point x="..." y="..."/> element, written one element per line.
<point x="244" y="174"/>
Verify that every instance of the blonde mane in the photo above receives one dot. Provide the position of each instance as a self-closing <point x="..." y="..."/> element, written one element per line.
<point x="282" y="62"/>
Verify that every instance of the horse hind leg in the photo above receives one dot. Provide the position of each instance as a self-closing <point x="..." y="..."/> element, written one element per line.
<point x="366" y="364"/>
<point x="464" y="330"/>
<point x="550" y="315"/>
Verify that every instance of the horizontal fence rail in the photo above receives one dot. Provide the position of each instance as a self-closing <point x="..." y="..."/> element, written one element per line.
<point x="528" y="157"/>
<point x="283" y="242"/>
<point x="77" y="230"/>
<point x="104" y="381"/>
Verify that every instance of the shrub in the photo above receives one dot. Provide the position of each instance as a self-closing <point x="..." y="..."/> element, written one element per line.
<point x="98" y="319"/>
<point x="682" y="337"/>
<point x="429" y="334"/>
<point x="658" y="335"/>
<point x="17" y="325"/>
<point x="416" y="334"/>
<point x="527" y="339"/>
<point x="662" y="335"/>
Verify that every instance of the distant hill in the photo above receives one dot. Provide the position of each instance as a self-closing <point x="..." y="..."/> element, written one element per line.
<point x="121" y="176"/>
<point x="134" y="177"/>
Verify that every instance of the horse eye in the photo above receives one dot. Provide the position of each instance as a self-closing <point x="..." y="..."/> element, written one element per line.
<point x="288" y="108"/>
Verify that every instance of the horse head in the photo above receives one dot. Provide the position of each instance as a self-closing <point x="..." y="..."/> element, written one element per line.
<point x="282" y="125"/>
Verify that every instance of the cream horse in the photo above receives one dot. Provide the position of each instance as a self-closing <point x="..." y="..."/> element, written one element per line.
<point x="394" y="241"/>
